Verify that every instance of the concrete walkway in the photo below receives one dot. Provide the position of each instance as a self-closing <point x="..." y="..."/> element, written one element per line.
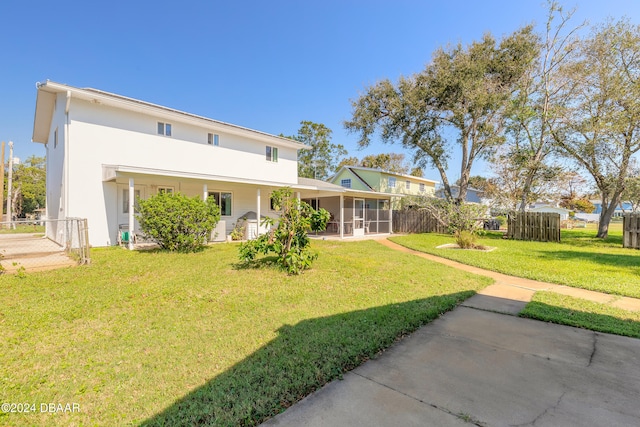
<point x="516" y="291"/>
<point x="480" y="365"/>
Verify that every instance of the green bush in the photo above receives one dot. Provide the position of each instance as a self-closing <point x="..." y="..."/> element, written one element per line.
<point x="289" y="240"/>
<point x="502" y="220"/>
<point x="465" y="239"/>
<point x="178" y="222"/>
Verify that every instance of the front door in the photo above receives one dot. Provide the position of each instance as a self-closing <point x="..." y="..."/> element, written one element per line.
<point x="358" y="217"/>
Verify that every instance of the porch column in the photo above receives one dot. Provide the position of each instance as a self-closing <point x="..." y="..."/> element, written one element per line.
<point x="390" y="217"/>
<point x="258" y="210"/>
<point x="341" y="216"/>
<point x="205" y="192"/>
<point x="132" y="195"/>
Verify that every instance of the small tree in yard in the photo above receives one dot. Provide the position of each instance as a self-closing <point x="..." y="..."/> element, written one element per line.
<point x="463" y="220"/>
<point x="178" y="222"/>
<point x="289" y="240"/>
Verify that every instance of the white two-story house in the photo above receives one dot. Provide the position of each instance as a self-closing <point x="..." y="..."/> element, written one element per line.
<point x="105" y="150"/>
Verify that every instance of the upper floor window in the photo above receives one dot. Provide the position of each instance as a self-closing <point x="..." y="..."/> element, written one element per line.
<point x="164" y="129"/>
<point x="55" y="138"/>
<point x="213" y="139"/>
<point x="422" y="187"/>
<point x="392" y="182"/>
<point x="272" y="154"/>
<point x="346" y="183"/>
<point x="407" y="185"/>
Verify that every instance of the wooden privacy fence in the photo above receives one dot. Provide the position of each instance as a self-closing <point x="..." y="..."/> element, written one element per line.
<point x="416" y="221"/>
<point x="539" y="226"/>
<point x="631" y="230"/>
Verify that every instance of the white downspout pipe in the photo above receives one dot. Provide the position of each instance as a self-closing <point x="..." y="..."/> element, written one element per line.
<point x="66" y="155"/>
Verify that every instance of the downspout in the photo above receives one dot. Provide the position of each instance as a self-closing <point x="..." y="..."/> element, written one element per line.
<point x="66" y="155"/>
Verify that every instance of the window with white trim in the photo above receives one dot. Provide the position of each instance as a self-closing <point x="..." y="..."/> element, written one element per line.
<point x="213" y="139"/>
<point x="162" y="190"/>
<point x="407" y="185"/>
<point x="346" y="183"/>
<point x="164" y="129"/>
<point x="422" y="187"/>
<point x="392" y="182"/>
<point x="224" y="200"/>
<point x="271" y="154"/>
<point x="125" y="200"/>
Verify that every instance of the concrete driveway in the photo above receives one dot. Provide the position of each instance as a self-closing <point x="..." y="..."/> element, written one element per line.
<point x="479" y="367"/>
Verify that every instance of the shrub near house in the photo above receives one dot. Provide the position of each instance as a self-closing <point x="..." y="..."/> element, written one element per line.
<point x="178" y="222"/>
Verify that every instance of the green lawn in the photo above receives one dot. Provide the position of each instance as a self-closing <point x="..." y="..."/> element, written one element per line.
<point x="23" y="228"/>
<point x="181" y="339"/>
<point x="571" y="311"/>
<point x="580" y="260"/>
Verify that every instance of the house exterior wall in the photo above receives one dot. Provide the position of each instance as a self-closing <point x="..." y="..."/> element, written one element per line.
<point x="114" y="136"/>
<point x="55" y="183"/>
<point x="373" y="178"/>
<point x="400" y="186"/>
<point x="101" y="135"/>
<point x="356" y="184"/>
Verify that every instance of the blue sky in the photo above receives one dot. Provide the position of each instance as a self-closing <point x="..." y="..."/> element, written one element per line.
<point x="265" y="65"/>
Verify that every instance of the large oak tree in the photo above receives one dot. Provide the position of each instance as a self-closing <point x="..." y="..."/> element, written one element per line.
<point x="601" y="128"/>
<point x="456" y="103"/>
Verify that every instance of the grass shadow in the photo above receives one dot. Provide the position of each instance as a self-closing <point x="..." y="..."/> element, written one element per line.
<point x="588" y="238"/>
<point x="256" y="264"/>
<point x="582" y="319"/>
<point x="302" y="358"/>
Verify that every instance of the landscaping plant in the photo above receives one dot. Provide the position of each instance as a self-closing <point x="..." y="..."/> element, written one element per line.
<point x="289" y="240"/>
<point x="178" y="222"/>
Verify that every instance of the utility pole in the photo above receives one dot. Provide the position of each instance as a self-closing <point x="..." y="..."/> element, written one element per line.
<point x="9" y="217"/>
<point x="2" y="184"/>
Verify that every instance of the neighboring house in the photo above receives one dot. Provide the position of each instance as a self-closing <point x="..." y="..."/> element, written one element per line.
<point x="473" y="195"/>
<point x="621" y="209"/>
<point x="105" y="150"/>
<point x="377" y="180"/>
<point x="564" y="213"/>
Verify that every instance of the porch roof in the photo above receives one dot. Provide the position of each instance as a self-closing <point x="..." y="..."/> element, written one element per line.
<point x="316" y="184"/>
<point x="111" y="172"/>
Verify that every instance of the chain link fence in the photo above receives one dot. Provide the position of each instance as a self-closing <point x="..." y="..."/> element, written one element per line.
<point x="43" y="244"/>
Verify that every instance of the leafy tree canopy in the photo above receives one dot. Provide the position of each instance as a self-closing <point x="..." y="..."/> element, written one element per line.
<point x="463" y="91"/>
<point x="321" y="160"/>
<point x="28" y="186"/>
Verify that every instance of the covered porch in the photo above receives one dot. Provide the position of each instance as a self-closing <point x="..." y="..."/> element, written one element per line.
<point x="353" y="213"/>
<point x="242" y="202"/>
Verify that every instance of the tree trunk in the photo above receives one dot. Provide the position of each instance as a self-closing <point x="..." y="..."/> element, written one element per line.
<point x="606" y="214"/>
<point x="603" y="225"/>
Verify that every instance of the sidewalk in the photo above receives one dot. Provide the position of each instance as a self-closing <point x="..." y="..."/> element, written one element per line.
<point x="481" y="365"/>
